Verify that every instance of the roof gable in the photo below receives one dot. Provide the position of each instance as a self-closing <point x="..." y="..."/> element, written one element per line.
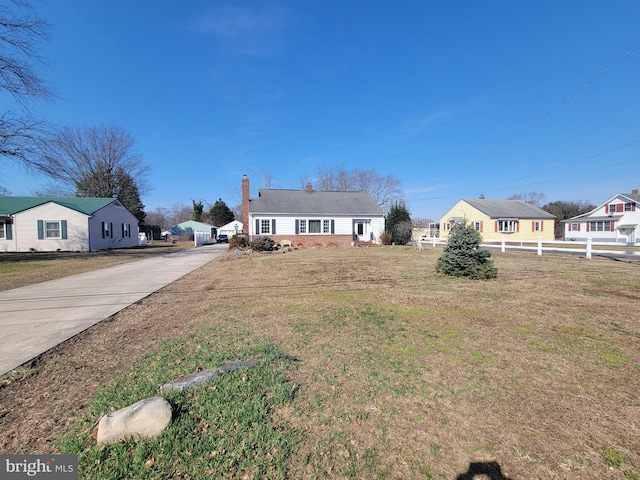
<point x="507" y="208"/>
<point x="86" y="205"/>
<point x="596" y="213"/>
<point x="314" y="202"/>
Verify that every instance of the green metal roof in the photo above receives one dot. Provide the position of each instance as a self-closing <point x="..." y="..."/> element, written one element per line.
<point x="86" y="205"/>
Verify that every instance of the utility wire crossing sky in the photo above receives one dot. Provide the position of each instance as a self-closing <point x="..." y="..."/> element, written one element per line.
<point x="456" y="99"/>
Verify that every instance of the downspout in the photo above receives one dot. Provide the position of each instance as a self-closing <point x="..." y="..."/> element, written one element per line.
<point x="14" y="232"/>
<point x="89" y="232"/>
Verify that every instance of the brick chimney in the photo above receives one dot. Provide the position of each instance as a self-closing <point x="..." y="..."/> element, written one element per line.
<point x="309" y="188"/>
<point x="634" y="191"/>
<point x="481" y="197"/>
<point x="245" y="204"/>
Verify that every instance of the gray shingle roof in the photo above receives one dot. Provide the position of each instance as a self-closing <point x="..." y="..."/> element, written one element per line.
<point x="633" y="196"/>
<point x="88" y="206"/>
<point x="314" y="202"/>
<point x="508" y="208"/>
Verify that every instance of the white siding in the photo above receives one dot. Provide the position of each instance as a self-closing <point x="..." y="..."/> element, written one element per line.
<point x="116" y="215"/>
<point x="25" y="229"/>
<point x="601" y="215"/>
<point x="286" y="224"/>
<point x="83" y="232"/>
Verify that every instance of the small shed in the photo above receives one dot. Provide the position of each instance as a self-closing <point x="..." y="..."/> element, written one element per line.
<point x="190" y="227"/>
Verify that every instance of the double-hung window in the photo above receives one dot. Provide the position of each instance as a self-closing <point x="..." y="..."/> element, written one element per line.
<point x="265" y="226"/>
<point x="52" y="229"/>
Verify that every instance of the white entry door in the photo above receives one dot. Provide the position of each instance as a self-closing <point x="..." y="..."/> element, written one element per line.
<point x="362" y="230"/>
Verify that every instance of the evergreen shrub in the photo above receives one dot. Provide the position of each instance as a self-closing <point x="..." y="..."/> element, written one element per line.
<point x="464" y="257"/>
<point x="262" y="244"/>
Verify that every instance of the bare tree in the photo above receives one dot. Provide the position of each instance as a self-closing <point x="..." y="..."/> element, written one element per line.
<point x="98" y="161"/>
<point x="534" y="198"/>
<point x="22" y="133"/>
<point x="385" y="189"/>
<point x="95" y="152"/>
<point x="266" y="177"/>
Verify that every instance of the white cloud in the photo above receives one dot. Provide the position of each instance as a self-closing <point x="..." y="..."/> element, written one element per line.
<point x="245" y="30"/>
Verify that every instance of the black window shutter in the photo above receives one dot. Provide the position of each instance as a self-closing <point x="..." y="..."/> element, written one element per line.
<point x="40" y="230"/>
<point x="297" y="226"/>
<point x="257" y="232"/>
<point x="63" y="229"/>
<point x="111" y="229"/>
<point x="273" y="226"/>
<point x="8" y="234"/>
<point x="102" y="229"/>
<point x="333" y="227"/>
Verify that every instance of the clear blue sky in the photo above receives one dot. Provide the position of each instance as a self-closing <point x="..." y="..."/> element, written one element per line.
<point x="454" y="98"/>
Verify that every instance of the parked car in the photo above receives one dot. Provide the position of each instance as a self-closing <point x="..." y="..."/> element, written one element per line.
<point x="222" y="238"/>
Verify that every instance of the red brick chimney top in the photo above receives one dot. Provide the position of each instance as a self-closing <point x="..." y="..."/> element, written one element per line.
<point x="634" y="191"/>
<point x="245" y="204"/>
<point x="309" y="188"/>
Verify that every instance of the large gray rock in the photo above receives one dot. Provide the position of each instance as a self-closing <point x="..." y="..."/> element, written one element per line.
<point x="200" y="378"/>
<point x="146" y="418"/>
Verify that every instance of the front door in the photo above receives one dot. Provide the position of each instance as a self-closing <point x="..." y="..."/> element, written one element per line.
<point x="361" y="230"/>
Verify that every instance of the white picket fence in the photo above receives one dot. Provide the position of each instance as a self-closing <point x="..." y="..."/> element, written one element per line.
<point x="537" y="245"/>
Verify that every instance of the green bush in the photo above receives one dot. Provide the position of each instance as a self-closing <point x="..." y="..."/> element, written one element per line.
<point x="463" y="256"/>
<point x="262" y="244"/>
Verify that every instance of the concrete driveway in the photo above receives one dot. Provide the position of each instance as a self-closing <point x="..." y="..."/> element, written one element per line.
<point x="39" y="317"/>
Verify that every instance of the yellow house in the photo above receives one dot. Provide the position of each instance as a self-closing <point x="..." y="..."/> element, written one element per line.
<point x="498" y="219"/>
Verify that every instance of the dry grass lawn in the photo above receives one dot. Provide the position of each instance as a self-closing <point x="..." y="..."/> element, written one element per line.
<point x="26" y="268"/>
<point x="402" y="373"/>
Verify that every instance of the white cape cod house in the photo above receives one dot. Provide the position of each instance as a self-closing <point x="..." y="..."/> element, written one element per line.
<point x="49" y="224"/>
<point x="616" y="221"/>
<point x="310" y="217"/>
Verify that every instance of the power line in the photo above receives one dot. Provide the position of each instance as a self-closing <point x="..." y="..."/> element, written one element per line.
<point x="583" y="172"/>
<point x="540" y="119"/>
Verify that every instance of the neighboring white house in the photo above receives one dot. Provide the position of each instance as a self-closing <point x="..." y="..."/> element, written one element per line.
<point x="48" y="224"/>
<point x="617" y="220"/>
<point x="309" y="217"/>
<point x="230" y="229"/>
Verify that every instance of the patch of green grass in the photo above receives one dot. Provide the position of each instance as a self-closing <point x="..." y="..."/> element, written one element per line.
<point x="613" y="458"/>
<point x="225" y="428"/>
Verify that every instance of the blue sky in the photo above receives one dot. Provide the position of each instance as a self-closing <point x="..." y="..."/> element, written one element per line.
<point x="454" y="98"/>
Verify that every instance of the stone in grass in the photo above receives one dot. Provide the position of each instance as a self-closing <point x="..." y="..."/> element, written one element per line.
<point x="146" y="418"/>
<point x="200" y="378"/>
